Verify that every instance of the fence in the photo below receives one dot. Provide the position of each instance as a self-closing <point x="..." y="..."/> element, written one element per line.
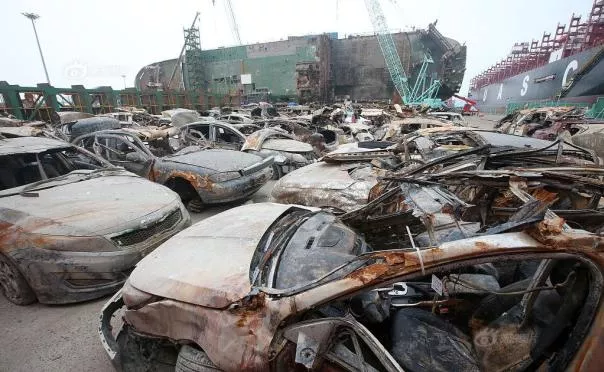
<point x="38" y="103"/>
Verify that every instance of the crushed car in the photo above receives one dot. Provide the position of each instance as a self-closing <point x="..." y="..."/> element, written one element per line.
<point x="199" y="176"/>
<point x="72" y="226"/>
<point x="289" y="154"/>
<point x="547" y="122"/>
<point x="300" y="289"/>
<point x="343" y="178"/>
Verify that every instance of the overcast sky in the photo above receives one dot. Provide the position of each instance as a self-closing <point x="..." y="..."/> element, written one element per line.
<point x="95" y="42"/>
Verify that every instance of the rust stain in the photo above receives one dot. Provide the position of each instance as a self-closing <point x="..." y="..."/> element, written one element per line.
<point x="393" y="258"/>
<point x="506" y="199"/>
<point x="483" y="246"/>
<point x="448" y="209"/>
<point x="197" y="181"/>
<point x="544" y="195"/>
<point x="369" y="273"/>
<point x="249" y="310"/>
<point x="550" y="226"/>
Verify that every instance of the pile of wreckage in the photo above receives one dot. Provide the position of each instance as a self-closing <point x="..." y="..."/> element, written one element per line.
<point x="550" y="123"/>
<point x="395" y="240"/>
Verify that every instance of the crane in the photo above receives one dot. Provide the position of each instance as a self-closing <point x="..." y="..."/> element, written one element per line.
<point x="470" y="105"/>
<point x="232" y="20"/>
<point x="419" y="94"/>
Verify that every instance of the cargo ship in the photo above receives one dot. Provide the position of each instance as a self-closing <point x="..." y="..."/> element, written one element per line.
<point x="566" y="66"/>
<point x="310" y="68"/>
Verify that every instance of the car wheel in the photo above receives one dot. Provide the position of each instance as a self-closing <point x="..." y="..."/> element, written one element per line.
<point x="195" y="205"/>
<point x="13" y="284"/>
<point x="191" y="359"/>
<point x="277" y="172"/>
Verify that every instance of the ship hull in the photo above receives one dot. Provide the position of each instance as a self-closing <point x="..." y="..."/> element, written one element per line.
<point x="546" y="82"/>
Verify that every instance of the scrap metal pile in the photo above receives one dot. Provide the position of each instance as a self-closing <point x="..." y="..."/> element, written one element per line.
<point x="391" y="234"/>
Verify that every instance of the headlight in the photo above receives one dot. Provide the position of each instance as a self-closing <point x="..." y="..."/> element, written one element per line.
<point x="223" y="177"/>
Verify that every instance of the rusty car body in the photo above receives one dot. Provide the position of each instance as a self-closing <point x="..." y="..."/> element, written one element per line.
<point x="289" y="153"/>
<point x="282" y="287"/>
<point x="72" y="226"/>
<point x="547" y="122"/>
<point x="343" y="179"/>
<point x="200" y="177"/>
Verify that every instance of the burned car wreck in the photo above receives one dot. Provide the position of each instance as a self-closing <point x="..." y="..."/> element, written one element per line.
<point x="199" y="176"/>
<point x="344" y="177"/>
<point x="379" y="288"/>
<point x="289" y="154"/>
<point x="72" y="226"/>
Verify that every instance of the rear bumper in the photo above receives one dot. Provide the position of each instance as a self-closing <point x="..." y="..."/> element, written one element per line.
<point x="238" y="189"/>
<point x="59" y="277"/>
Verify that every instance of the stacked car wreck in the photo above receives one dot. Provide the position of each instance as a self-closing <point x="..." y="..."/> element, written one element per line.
<point x="395" y="239"/>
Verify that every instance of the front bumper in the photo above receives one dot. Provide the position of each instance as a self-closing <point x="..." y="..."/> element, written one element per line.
<point x="238" y="189"/>
<point x="106" y="331"/>
<point x="59" y="277"/>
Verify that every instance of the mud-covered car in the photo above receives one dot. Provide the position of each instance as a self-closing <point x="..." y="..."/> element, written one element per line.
<point x="289" y="153"/>
<point x="72" y="226"/>
<point x="343" y="179"/>
<point x="296" y="289"/>
<point x="200" y="177"/>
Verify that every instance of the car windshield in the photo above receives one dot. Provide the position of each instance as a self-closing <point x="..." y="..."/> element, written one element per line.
<point x="303" y="247"/>
<point x="22" y="169"/>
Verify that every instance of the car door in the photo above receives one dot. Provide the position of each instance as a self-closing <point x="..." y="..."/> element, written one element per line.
<point x="124" y="151"/>
<point x="226" y="138"/>
<point x="196" y="135"/>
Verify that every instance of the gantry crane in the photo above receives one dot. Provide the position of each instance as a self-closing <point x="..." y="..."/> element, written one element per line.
<point x="417" y="95"/>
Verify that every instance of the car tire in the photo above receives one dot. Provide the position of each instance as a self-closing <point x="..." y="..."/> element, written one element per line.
<point x="277" y="172"/>
<point x="13" y="284"/>
<point x="195" y="205"/>
<point x="191" y="359"/>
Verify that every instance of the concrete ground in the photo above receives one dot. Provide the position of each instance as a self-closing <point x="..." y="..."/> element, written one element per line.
<point x="482" y="122"/>
<point x="64" y="338"/>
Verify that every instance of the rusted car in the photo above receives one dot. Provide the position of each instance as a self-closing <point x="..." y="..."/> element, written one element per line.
<point x="200" y="177"/>
<point x="211" y="134"/>
<point x="72" y="226"/>
<point x="343" y="179"/>
<point x="297" y="289"/>
<point x="289" y="154"/>
<point x="547" y="122"/>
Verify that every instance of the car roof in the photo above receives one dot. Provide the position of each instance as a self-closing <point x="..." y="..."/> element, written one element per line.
<point x="30" y="145"/>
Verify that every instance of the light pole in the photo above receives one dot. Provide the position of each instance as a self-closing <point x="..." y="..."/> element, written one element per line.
<point x="124" y="78"/>
<point x="32" y="17"/>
